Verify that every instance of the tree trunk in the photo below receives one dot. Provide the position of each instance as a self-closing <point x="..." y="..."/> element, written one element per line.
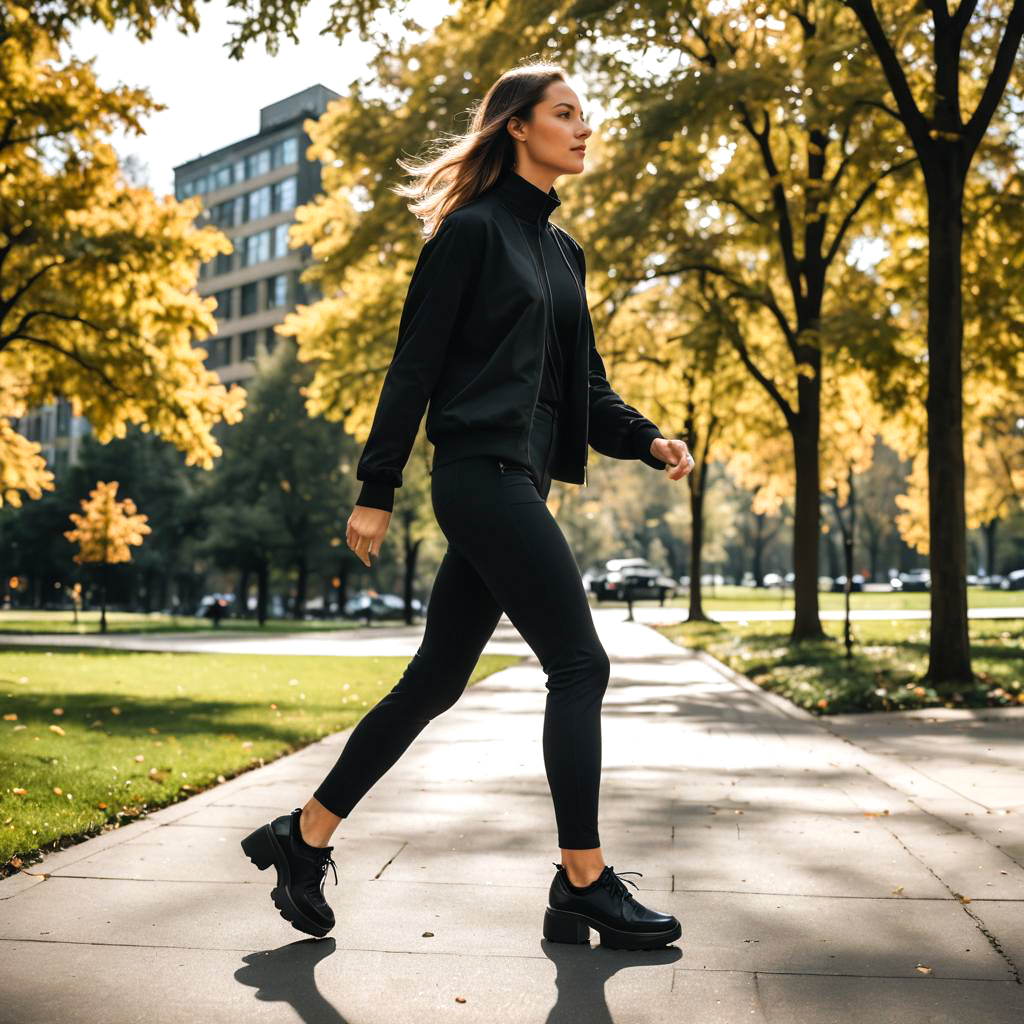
<point x="697" y="490"/>
<point x="300" y="587"/>
<point x="949" y="651"/>
<point x="989" y="530"/>
<point x="409" y="575"/>
<point x="807" y="512"/>
<point x="262" y="585"/>
<point x="242" y="594"/>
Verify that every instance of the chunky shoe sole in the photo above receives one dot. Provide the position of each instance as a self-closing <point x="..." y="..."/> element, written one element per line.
<point x="263" y="849"/>
<point x="566" y="926"/>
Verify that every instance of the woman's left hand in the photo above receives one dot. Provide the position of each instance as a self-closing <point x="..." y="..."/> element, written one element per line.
<point x="675" y="453"/>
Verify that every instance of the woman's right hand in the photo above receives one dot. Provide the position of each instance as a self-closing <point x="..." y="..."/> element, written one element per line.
<point x="365" y="531"/>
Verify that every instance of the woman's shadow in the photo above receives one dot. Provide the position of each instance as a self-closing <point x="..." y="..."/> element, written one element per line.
<point x="286" y="975"/>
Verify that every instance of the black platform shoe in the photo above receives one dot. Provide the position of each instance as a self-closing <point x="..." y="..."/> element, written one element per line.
<point x="301" y="872"/>
<point x="608" y="906"/>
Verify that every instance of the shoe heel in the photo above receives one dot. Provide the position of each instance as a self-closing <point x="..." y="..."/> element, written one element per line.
<point x="562" y="927"/>
<point x="259" y="848"/>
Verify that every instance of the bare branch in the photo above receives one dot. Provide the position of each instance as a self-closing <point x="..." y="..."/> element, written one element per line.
<point x="996" y="84"/>
<point x="910" y="114"/>
<point x="856" y="208"/>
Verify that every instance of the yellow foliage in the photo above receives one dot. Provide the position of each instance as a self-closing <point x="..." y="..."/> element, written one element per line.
<point x="107" y="528"/>
<point x="101" y="274"/>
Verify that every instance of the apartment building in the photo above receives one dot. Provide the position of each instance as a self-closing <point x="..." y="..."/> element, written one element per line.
<point x="250" y="190"/>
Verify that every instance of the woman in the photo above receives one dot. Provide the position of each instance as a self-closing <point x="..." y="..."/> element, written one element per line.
<point x="496" y="336"/>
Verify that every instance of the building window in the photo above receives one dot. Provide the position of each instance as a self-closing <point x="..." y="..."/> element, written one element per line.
<point x="269" y="339"/>
<point x="259" y="202"/>
<point x="223" y="310"/>
<point x="63" y="417"/>
<point x="222" y="265"/>
<point x="286" y="152"/>
<point x="219" y="350"/>
<point x="281" y="240"/>
<point x="257" y="248"/>
<point x="248" y="345"/>
<point x="249" y="298"/>
<point x="277" y="291"/>
<point x="239" y="171"/>
<point x="258" y="163"/>
<point x="284" y="194"/>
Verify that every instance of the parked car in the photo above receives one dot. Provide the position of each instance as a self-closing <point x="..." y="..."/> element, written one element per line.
<point x="631" y="578"/>
<point x="378" y="607"/>
<point x="839" y="583"/>
<point x="1013" y="580"/>
<point x="916" y="579"/>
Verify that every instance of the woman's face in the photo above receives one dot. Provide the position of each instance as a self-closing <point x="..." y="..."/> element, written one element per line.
<point x="557" y="132"/>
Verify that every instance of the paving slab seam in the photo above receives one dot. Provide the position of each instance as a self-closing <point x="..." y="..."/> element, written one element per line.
<point x="869" y="757"/>
<point x="978" y="923"/>
<point x="919" y="979"/>
<point x="314" y="942"/>
<point x="914" y="798"/>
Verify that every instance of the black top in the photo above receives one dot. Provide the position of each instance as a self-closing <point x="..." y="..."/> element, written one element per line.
<point x="479" y="408"/>
<point x="533" y="205"/>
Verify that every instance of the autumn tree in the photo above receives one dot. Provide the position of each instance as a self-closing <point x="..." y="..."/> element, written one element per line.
<point x="105" y="531"/>
<point x="947" y="71"/>
<point x="97" y="277"/>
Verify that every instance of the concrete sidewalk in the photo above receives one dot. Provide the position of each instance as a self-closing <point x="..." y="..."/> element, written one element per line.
<point x="837" y="870"/>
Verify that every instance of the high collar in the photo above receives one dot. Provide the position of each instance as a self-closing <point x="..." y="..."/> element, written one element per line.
<point x="524" y="198"/>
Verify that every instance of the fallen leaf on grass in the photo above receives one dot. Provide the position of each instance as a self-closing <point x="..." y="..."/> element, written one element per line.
<point x="140" y="757"/>
<point x="57" y="729"/>
<point x="19" y="790"/>
<point x="12" y="717"/>
<point x="18" y="728"/>
<point x="58" y="711"/>
<point x="58" y="791"/>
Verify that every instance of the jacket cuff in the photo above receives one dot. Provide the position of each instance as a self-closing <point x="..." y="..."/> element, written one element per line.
<point x="643" y="438"/>
<point x="377" y="494"/>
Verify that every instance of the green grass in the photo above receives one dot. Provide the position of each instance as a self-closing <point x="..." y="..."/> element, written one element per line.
<point x="889" y="659"/>
<point x="142" y="730"/>
<point x="733" y="598"/>
<point x="59" y="622"/>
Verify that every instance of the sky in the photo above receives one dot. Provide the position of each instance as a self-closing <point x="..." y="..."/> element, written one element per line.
<point x="211" y="99"/>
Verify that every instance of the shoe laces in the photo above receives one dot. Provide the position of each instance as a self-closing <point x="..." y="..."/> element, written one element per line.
<point x="614" y="881"/>
<point x="326" y="861"/>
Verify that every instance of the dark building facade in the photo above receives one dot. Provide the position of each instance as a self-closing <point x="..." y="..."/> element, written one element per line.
<point x="250" y="190"/>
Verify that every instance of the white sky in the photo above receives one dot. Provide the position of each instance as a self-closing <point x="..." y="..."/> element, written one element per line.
<point x="211" y="99"/>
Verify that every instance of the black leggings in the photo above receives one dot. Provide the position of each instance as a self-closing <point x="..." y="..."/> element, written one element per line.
<point x="505" y="553"/>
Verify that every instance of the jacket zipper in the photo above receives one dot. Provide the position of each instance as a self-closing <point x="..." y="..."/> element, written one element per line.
<point x="544" y="346"/>
<point x="579" y="321"/>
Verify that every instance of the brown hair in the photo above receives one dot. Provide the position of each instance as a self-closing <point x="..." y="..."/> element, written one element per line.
<point x="469" y="164"/>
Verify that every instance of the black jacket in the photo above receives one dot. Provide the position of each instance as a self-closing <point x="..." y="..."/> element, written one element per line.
<point x="471" y="341"/>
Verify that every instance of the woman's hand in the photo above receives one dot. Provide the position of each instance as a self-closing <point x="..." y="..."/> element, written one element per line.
<point x="365" y="531"/>
<point x="675" y="453"/>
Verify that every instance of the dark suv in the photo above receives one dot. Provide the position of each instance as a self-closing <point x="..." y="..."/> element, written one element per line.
<point x="631" y="578"/>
